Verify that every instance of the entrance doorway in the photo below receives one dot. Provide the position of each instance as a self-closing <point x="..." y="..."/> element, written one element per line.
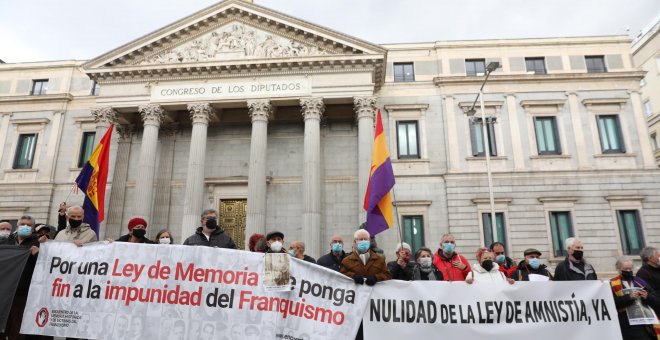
<point x="233" y="214"/>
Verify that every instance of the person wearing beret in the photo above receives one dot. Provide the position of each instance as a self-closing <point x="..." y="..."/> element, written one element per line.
<point x="530" y="265"/>
<point x="275" y="242"/>
<point x="137" y="229"/>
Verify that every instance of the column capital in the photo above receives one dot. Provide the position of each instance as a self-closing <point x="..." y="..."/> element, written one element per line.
<point x="152" y="114"/>
<point x="125" y="131"/>
<point x="104" y="115"/>
<point x="200" y="113"/>
<point x="259" y="109"/>
<point x="312" y="108"/>
<point x="365" y="107"/>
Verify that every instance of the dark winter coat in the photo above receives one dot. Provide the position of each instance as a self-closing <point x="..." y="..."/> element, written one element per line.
<point x="398" y="273"/>
<point x="218" y="239"/>
<point x="568" y="271"/>
<point x="523" y="270"/>
<point x="331" y="261"/>
<point x="650" y="275"/>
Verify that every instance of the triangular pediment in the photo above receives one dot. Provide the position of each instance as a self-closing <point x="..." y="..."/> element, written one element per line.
<point x="233" y="30"/>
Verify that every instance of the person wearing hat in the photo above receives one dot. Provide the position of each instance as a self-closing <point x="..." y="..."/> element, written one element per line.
<point x="210" y="234"/>
<point x="137" y="228"/>
<point x="275" y="241"/>
<point x="43" y="230"/>
<point x="530" y="265"/>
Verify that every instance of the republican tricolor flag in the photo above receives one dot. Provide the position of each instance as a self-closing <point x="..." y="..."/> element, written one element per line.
<point x="92" y="180"/>
<point x="378" y="199"/>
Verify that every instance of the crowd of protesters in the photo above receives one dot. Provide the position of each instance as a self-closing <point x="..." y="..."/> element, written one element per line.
<point x="364" y="263"/>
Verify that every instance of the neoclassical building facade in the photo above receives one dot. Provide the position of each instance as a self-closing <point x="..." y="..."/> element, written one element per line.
<point x="269" y="119"/>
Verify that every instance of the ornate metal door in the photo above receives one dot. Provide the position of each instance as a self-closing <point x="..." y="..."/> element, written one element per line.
<point x="233" y="215"/>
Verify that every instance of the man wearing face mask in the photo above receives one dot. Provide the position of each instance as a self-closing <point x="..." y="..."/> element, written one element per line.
<point x="336" y="255"/>
<point x="364" y="265"/>
<point x="5" y="231"/>
<point x="275" y="242"/>
<point x="402" y="268"/>
<point x="506" y="264"/>
<point x="454" y="267"/>
<point x="76" y="231"/>
<point x="137" y="228"/>
<point x="297" y="250"/>
<point x="210" y="234"/>
<point x="650" y="270"/>
<point x="574" y="267"/>
<point x="628" y="290"/>
<point x="530" y="265"/>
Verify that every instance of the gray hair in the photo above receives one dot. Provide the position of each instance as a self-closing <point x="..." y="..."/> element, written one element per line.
<point x="621" y="260"/>
<point x="28" y="217"/>
<point x="208" y="211"/>
<point x="569" y="242"/>
<point x="402" y="245"/>
<point x="360" y="231"/>
<point x="73" y="207"/>
<point x="646" y="253"/>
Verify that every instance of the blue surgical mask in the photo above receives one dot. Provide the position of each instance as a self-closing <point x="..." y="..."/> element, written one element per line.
<point x="534" y="263"/>
<point x="24" y="230"/>
<point x="337" y="248"/>
<point x="292" y="252"/>
<point x="448" y="247"/>
<point x="500" y="259"/>
<point x="363" y="246"/>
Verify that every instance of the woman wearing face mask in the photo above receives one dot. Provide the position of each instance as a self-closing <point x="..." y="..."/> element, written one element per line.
<point x="629" y="290"/>
<point x="530" y="265"/>
<point x="137" y="228"/>
<point x="424" y="269"/>
<point x="164" y="237"/>
<point x="486" y="270"/>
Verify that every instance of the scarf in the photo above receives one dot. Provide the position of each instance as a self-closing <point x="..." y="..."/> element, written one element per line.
<point x="617" y="287"/>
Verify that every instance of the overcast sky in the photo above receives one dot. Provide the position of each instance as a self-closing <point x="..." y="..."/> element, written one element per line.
<point x="38" y="30"/>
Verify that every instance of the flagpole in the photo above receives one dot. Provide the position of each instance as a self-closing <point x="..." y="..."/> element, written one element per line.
<point x="396" y="215"/>
<point x="70" y="191"/>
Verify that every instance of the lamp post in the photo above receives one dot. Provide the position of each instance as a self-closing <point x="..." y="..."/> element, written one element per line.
<point x="484" y="137"/>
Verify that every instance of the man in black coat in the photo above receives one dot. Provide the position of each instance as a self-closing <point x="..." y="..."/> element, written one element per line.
<point x="336" y="255"/>
<point x="209" y="234"/>
<point x="530" y="265"/>
<point x="402" y="268"/>
<point x="650" y="270"/>
<point x="574" y="268"/>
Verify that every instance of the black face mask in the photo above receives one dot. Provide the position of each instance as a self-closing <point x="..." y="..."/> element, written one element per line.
<point x="211" y="223"/>
<point x="487" y="264"/>
<point x="627" y="275"/>
<point x="75" y="223"/>
<point x="577" y="254"/>
<point x="139" y="233"/>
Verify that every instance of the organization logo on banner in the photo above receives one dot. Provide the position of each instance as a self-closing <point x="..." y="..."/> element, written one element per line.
<point x="42" y="317"/>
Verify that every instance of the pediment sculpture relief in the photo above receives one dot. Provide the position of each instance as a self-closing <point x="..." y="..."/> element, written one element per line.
<point x="236" y="41"/>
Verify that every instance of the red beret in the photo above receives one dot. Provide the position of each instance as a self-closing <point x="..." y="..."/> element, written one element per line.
<point x="136" y="221"/>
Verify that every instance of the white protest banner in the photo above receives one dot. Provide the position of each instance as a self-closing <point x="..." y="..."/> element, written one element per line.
<point x="524" y="310"/>
<point x="142" y="291"/>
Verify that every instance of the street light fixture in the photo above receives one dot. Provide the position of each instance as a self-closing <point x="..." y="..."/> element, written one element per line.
<point x="486" y="140"/>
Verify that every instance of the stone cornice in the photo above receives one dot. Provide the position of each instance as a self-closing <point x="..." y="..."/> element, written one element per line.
<point x="53" y="98"/>
<point x="407" y="107"/>
<point x="548" y="102"/>
<point x="536" y="78"/>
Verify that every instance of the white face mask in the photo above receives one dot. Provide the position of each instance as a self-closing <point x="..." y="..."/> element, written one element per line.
<point x="276" y="246"/>
<point x="165" y="240"/>
<point x="4" y="233"/>
<point x="425" y="262"/>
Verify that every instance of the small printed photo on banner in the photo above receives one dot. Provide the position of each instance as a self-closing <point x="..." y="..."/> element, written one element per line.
<point x="277" y="272"/>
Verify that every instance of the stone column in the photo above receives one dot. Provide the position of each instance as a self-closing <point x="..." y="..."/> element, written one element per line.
<point x="163" y="189"/>
<point x="117" y="195"/>
<point x="103" y="116"/>
<point x="516" y="139"/>
<point x="312" y="110"/>
<point x="259" y="110"/>
<point x="194" y="194"/>
<point x="152" y="115"/>
<point x="365" y="111"/>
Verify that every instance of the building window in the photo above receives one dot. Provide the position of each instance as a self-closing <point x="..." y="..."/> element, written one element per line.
<point x="476" y="133"/>
<point x="408" y="140"/>
<point x="25" y="151"/>
<point x="547" y="136"/>
<point x="39" y="87"/>
<point x="536" y="65"/>
<point x="413" y="231"/>
<point x="595" y="64"/>
<point x="475" y="67"/>
<point x="630" y="228"/>
<point x="561" y="228"/>
<point x="654" y="141"/>
<point x="611" y="139"/>
<point x="488" y="229"/>
<point x="96" y="88"/>
<point x="647" y="108"/>
<point x="86" y="148"/>
<point x="403" y="72"/>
